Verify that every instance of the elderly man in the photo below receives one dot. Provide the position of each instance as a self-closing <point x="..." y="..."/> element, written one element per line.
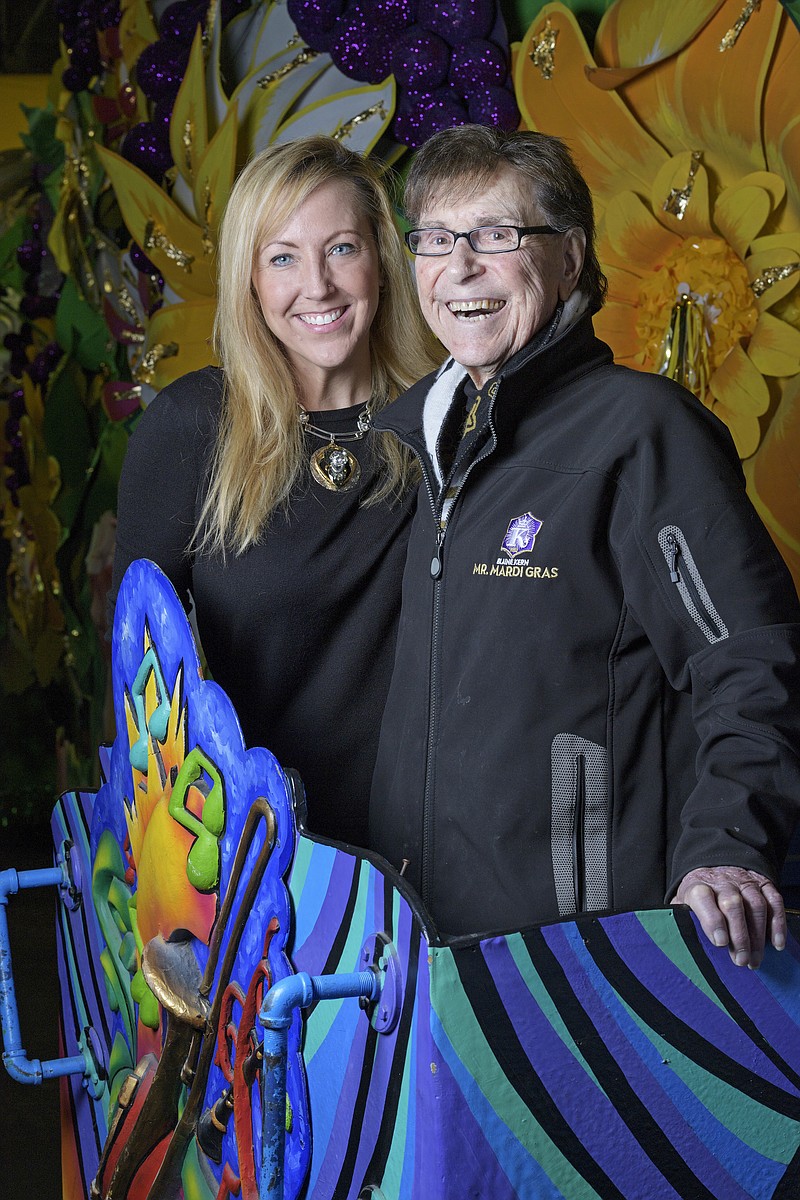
<point x="591" y="705"/>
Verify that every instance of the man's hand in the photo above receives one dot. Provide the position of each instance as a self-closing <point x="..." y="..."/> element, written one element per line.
<point x="737" y="909"/>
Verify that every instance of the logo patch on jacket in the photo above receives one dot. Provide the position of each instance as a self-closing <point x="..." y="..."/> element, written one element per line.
<point x="521" y="534"/>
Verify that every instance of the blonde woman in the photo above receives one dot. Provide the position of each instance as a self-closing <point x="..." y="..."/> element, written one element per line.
<point x="260" y="487"/>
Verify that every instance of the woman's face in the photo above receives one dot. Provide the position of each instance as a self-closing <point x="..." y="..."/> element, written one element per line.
<point x="317" y="279"/>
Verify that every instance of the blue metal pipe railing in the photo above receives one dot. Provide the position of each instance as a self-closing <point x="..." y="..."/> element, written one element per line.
<point x="295" y="991"/>
<point x="15" y="1057"/>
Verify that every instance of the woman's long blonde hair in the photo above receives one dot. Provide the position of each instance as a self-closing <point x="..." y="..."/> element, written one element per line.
<point x="259" y="450"/>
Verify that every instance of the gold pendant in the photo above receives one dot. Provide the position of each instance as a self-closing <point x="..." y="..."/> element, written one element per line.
<point x="335" y="468"/>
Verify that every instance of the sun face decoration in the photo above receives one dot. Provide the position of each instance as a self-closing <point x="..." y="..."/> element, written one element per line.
<point x="695" y="180"/>
<point x="168" y="818"/>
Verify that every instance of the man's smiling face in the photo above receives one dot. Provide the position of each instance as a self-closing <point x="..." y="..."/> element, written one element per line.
<point x="486" y="307"/>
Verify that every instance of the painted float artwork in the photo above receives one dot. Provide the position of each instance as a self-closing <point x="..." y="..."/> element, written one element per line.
<point x="611" y="1056"/>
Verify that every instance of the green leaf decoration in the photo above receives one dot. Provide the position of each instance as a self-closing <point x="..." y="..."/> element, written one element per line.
<point x="82" y="331"/>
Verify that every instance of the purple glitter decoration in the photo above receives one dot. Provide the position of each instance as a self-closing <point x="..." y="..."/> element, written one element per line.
<point x="39" y="370"/>
<point x="160" y="69"/>
<point x="477" y="64"/>
<point x="14" y="343"/>
<point x="147" y="148"/>
<point x="30" y="254"/>
<point x="394" y="14"/>
<point x="446" y="68"/>
<point x="457" y="20"/>
<point x="35" y="307"/>
<point x="420" y="59"/>
<point x="109" y="15"/>
<point x="16" y="403"/>
<point x="362" y="46"/>
<point x="496" y="106"/>
<point x="316" y="20"/>
<point x="162" y="115"/>
<point x="424" y="113"/>
<point x="75" y="33"/>
<point x="179" y="21"/>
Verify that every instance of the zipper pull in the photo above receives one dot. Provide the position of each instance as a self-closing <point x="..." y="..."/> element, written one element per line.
<point x="436" y="561"/>
<point x="672" y="558"/>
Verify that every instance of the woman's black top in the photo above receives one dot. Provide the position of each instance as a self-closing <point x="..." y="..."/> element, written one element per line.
<point x="299" y="629"/>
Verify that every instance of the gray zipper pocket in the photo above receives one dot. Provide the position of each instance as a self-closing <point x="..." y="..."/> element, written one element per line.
<point x="579" y="823"/>
<point x="684" y="574"/>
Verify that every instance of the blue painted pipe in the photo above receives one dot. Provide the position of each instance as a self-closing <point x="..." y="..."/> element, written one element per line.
<point x="17" y="1063"/>
<point x="295" y="991"/>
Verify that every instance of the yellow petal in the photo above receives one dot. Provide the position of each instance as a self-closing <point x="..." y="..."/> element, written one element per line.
<point x="616" y="325"/>
<point x="774" y="268"/>
<point x="705" y="99"/>
<point x="178" y="341"/>
<point x="613" y="151"/>
<point x="745" y="428"/>
<point x="188" y="127"/>
<point x="623" y="285"/>
<point x="739" y="386"/>
<point x="741" y="212"/>
<point x="136" y="30"/>
<point x="679" y="195"/>
<point x="632" y="34"/>
<point x="172" y="242"/>
<point x="775" y="347"/>
<point x="782" y="117"/>
<point x="216" y="171"/>
<point x="635" y="234"/>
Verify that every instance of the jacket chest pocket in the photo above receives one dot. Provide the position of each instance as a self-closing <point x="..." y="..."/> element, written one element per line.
<point x="579" y="821"/>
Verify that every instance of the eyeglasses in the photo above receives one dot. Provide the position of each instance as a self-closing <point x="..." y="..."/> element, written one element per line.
<point x="489" y="239"/>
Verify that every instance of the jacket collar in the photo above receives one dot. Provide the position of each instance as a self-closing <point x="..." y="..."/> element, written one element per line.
<point x="553" y="354"/>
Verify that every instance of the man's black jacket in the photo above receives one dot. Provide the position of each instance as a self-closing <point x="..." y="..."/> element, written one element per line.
<point x="596" y="679"/>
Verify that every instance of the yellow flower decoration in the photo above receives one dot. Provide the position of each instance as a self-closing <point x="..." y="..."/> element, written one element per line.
<point x="695" y="179"/>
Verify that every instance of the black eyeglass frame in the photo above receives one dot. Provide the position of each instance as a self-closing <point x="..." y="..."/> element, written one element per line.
<point x="521" y="231"/>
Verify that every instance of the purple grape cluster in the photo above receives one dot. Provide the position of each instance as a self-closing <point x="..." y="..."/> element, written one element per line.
<point x="449" y="57"/>
<point x="14" y="458"/>
<point x="39" y="300"/>
<point x="80" y="21"/>
<point x="143" y="264"/>
<point x="160" y="69"/>
<point x="40" y="286"/>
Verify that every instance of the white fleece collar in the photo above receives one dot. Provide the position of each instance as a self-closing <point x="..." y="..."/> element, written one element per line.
<point x="437" y="403"/>
<point x="451" y="375"/>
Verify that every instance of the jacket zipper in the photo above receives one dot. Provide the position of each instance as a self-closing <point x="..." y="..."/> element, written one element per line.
<point x="684" y="574"/>
<point x="437" y="569"/>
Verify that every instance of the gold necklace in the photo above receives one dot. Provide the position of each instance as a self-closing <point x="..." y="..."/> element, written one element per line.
<point x="333" y="465"/>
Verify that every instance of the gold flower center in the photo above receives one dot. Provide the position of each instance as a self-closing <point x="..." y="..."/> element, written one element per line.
<point x="694" y="309"/>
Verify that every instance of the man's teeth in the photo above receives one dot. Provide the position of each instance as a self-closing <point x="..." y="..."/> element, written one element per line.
<point x="321" y="318"/>
<point x="476" y="308"/>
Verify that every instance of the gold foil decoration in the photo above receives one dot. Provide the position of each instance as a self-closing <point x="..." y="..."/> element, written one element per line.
<point x="771" y="275"/>
<point x="208" y="27"/>
<point x="684" y="352"/>
<point x="347" y="127"/>
<point x="208" y="241"/>
<point x="187" y="138"/>
<point x="677" y="201"/>
<point x="543" y="54"/>
<point x="145" y="372"/>
<point x="124" y="298"/>
<point x="305" y="56"/>
<point x="156" y="239"/>
<point x="732" y="36"/>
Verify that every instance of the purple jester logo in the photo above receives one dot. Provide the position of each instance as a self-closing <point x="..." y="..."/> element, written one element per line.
<point x="521" y="534"/>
